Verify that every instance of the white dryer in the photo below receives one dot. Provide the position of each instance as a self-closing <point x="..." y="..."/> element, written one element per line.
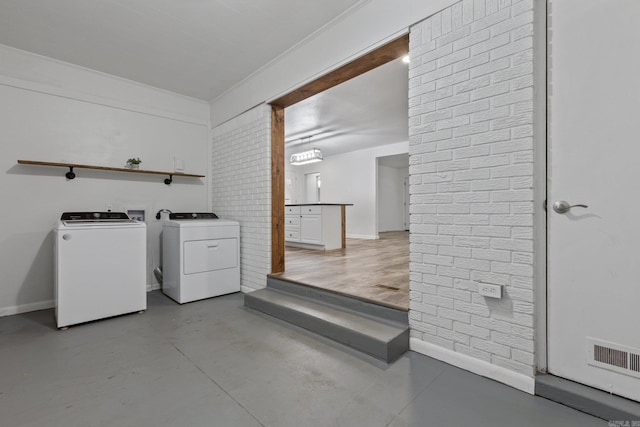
<point x="200" y="256"/>
<point x="100" y="263"/>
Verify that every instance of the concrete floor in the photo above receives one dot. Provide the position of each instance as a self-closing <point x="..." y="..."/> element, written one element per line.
<point x="215" y="363"/>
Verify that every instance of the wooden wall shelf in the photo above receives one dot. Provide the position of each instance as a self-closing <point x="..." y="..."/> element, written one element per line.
<point x="72" y="175"/>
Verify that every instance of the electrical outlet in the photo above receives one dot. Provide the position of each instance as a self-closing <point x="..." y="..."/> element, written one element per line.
<point x="491" y="291"/>
<point x="178" y="165"/>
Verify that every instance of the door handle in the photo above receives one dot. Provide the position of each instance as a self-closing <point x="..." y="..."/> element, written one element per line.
<point x="562" y="206"/>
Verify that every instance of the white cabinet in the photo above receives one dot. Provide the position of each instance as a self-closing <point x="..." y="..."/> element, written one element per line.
<point x="311" y="229"/>
<point x="314" y="226"/>
<point x="292" y="223"/>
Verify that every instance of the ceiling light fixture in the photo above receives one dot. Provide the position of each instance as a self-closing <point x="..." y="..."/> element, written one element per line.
<point x="405" y="59"/>
<point x="306" y="157"/>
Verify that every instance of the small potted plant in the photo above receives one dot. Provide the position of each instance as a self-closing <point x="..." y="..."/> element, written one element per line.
<point x="134" y="162"/>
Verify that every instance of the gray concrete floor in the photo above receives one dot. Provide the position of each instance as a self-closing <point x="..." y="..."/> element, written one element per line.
<point x="215" y="363"/>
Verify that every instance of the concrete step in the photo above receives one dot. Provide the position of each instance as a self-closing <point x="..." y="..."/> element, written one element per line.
<point x="382" y="338"/>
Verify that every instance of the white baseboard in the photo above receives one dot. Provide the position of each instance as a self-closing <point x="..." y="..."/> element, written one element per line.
<point x="246" y="289"/>
<point x="153" y="287"/>
<point x="363" y="236"/>
<point x="43" y="305"/>
<point x="24" y="308"/>
<point x="480" y="367"/>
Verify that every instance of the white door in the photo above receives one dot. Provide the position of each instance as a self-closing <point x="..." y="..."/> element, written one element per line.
<point x="594" y="159"/>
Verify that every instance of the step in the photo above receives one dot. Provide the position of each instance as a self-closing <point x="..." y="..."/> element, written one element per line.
<point x="348" y="302"/>
<point x="587" y="399"/>
<point x="380" y="338"/>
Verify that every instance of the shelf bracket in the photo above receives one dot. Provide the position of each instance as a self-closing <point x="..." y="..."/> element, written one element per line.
<point x="70" y="174"/>
<point x="169" y="180"/>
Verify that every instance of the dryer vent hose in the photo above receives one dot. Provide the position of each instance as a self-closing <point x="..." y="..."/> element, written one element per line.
<point x="158" y="272"/>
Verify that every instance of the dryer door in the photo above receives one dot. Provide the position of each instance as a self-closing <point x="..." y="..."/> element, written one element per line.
<point x="209" y="255"/>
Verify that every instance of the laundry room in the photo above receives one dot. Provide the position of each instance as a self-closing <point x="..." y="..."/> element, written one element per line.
<point x="56" y="112"/>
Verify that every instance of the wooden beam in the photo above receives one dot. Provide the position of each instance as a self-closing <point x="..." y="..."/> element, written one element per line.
<point x="378" y="57"/>
<point x="277" y="189"/>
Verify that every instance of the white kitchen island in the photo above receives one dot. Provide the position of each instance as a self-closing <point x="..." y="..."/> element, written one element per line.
<point x="316" y="225"/>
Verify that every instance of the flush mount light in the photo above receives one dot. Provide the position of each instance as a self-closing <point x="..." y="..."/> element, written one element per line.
<point x="305" y="157"/>
<point x="405" y="59"/>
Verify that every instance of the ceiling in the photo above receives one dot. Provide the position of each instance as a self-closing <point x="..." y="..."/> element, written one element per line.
<point x="198" y="48"/>
<point x="364" y="112"/>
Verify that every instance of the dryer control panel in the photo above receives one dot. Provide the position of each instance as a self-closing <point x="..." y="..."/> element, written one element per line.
<point x="193" y="215"/>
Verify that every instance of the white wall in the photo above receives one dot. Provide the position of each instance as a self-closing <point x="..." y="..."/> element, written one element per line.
<point x="241" y="188"/>
<point x="471" y="151"/>
<point x="51" y="111"/>
<point x="348" y="178"/>
<point x="391" y="197"/>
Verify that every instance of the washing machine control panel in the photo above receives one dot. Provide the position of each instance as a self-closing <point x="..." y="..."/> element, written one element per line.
<point x="94" y="216"/>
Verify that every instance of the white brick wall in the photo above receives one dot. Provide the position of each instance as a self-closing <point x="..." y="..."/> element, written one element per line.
<point x="471" y="156"/>
<point x="241" y="188"/>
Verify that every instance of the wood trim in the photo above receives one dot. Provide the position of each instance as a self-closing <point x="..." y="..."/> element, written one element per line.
<point x="387" y="53"/>
<point x="368" y="62"/>
<point x="277" y="189"/>
<point x="343" y="213"/>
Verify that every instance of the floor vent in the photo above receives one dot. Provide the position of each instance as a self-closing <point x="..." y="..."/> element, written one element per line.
<point x="614" y="357"/>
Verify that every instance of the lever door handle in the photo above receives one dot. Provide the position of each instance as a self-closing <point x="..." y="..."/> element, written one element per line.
<point x="562" y="206"/>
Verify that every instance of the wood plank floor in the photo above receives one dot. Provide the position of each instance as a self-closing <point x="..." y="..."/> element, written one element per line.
<point x="374" y="270"/>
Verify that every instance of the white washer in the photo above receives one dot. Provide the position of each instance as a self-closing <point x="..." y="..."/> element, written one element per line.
<point x="100" y="261"/>
<point x="200" y="256"/>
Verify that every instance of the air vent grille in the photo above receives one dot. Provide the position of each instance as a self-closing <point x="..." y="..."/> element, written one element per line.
<point x="635" y="362"/>
<point x="610" y="356"/>
<point x="614" y="357"/>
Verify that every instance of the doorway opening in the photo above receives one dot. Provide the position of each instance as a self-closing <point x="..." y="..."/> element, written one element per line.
<point x="313" y="184"/>
<point x="393" y="193"/>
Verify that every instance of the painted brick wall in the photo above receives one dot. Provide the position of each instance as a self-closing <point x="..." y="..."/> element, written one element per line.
<point x="471" y="155"/>
<point x="241" y="188"/>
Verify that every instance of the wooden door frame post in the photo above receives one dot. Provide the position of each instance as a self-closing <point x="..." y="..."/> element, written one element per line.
<point x="277" y="189"/>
